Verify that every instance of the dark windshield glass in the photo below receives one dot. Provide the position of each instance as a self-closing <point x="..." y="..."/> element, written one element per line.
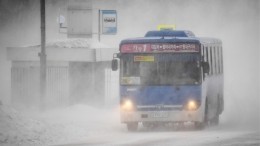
<point x="160" y="69"/>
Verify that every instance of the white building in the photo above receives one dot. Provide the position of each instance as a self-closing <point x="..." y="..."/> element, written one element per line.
<point x="78" y="64"/>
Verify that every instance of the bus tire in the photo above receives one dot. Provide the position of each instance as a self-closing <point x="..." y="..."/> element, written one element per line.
<point x="221" y="105"/>
<point x="215" y="120"/>
<point x="132" y="126"/>
<point x="202" y="125"/>
<point x="206" y="117"/>
<point x="149" y="125"/>
<point x="199" y="125"/>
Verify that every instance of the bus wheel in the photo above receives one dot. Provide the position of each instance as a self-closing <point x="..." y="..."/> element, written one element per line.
<point x="132" y="126"/>
<point x="215" y="120"/>
<point x="199" y="125"/>
<point x="202" y="125"/>
<point x="148" y="125"/>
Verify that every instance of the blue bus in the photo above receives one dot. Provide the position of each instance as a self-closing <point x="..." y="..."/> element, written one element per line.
<point x="170" y="76"/>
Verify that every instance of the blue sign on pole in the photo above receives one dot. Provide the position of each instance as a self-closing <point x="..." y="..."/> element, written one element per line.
<point x="109" y="22"/>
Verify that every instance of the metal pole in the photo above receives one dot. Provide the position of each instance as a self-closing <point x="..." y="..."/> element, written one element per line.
<point x="99" y="11"/>
<point x="42" y="58"/>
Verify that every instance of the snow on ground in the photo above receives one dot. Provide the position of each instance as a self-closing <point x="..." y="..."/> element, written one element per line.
<point x="15" y="129"/>
<point x="86" y="125"/>
<point x="77" y="43"/>
<point x="66" y="125"/>
<point x="74" y="43"/>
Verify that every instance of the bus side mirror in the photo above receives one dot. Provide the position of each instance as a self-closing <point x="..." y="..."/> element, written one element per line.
<point x="114" y="65"/>
<point x="205" y="66"/>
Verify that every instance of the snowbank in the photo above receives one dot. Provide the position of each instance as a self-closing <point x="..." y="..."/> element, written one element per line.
<point x="77" y="43"/>
<point x="74" y="43"/>
<point x="70" y="43"/>
<point x="15" y="129"/>
<point x="59" y="126"/>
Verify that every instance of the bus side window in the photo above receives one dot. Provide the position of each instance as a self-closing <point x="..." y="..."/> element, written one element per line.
<point x="220" y="59"/>
<point x="215" y="60"/>
<point x="211" y="61"/>
<point x="218" y="63"/>
<point x="205" y="54"/>
<point x="205" y="58"/>
<point x="222" y="65"/>
<point x="202" y="51"/>
<point x="208" y="59"/>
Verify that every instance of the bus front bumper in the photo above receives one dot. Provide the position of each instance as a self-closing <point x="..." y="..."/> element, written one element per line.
<point x="162" y="116"/>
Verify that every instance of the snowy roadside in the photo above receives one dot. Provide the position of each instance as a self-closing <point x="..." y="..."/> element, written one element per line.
<point x="66" y="125"/>
<point x="15" y="129"/>
<point x="82" y="124"/>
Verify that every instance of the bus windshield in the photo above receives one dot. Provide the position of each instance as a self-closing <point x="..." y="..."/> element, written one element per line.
<point x="160" y="69"/>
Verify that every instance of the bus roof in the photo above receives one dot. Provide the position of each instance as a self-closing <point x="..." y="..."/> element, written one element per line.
<point x="170" y="36"/>
<point x="170" y="33"/>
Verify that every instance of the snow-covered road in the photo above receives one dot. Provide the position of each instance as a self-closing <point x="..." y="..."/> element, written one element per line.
<point x="104" y="129"/>
<point x="82" y="125"/>
<point x="211" y="136"/>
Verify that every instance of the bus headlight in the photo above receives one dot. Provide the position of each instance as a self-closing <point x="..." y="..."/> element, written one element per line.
<point x="127" y="105"/>
<point x="192" y="105"/>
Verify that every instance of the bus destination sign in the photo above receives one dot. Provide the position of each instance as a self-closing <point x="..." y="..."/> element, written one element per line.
<point x="167" y="47"/>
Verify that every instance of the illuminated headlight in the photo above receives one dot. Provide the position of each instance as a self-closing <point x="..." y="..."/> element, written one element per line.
<point x="127" y="105"/>
<point x="192" y="105"/>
